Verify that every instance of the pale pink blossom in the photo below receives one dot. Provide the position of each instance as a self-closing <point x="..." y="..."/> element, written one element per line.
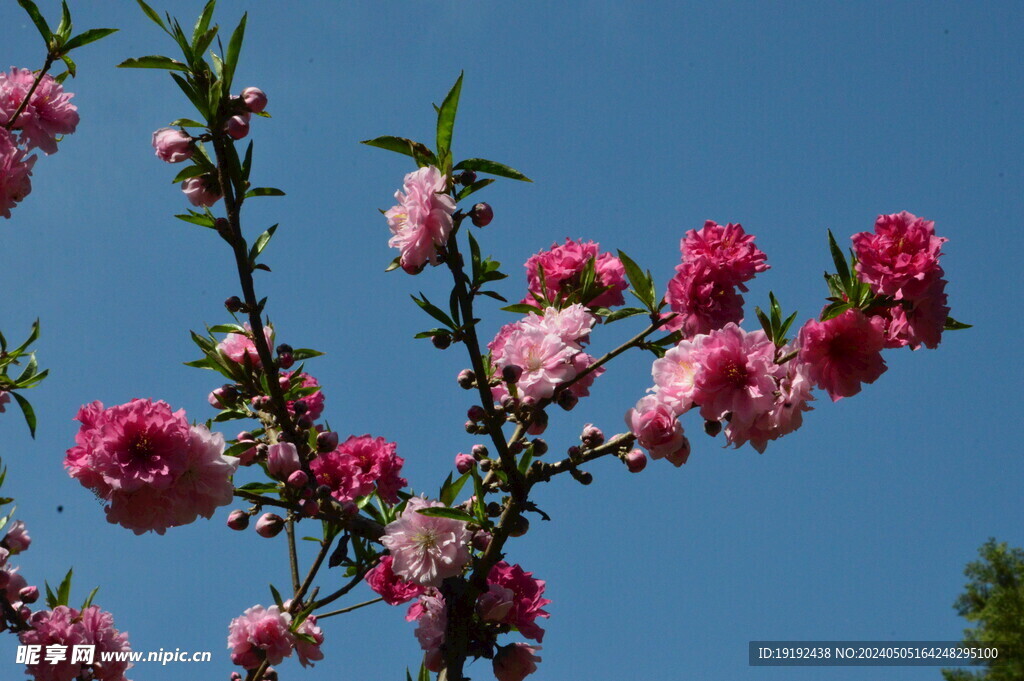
<point x="426" y="549"/>
<point x="238" y="345"/>
<point x="736" y="375"/>
<point x="544" y="357"/>
<point x="431" y="617"/>
<point x="16" y="540"/>
<point x="527" y="598"/>
<point x="657" y="429"/>
<point x="65" y="626"/>
<point x="422" y="220"/>
<point x="675" y="373"/>
<point x="48" y="115"/>
<point x="359" y="466"/>
<point x="309" y="651"/>
<point x="173" y="145"/>
<point x="515" y="662"/>
<point x="260" y="634"/>
<point x="792" y="395"/>
<point x="15" y="174"/>
<point x="843" y="352"/>
<point x="563" y="267"/>
<point x="202" y="191"/>
<point x="283" y="460"/>
<point x="571" y="324"/>
<point x="900" y="256"/>
<point x="393" y="589"/>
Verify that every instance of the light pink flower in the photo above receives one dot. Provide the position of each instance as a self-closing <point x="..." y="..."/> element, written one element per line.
<point x="422" y="220"/>
<point x="527" y="598"/>
<point x="843" y="352"/>
<point x="48" y="115"/>
<point x="17" y="539"/>
<point x="15" y="582"/>
<point x="202" y="190"/>
<point x="431" y="617"/>
<point x="283" y="460"/>
<point x="426" y="549"/>
<point x="173" y="145"/>
<point x="236" y="346"/>
<point x="15" y="174"/>
<point x="309" y="652"/>
<point x="545" y="359"/>
<point x="64" y="626"/>
<point x="563" y="267"/>
<point x="900" y="256"/>
<point x="736" y="375"/>
<point x="515" y="662"/>
<point x="392" y="588"/>
<point x="580" y="361"/>
<point x="675" y="373"/>
<point x="571" y="324"/>
<point x="704" y="301"/>
<point x="727" y="250"/>
<point x="786" y="414"/>
<point x="656" y="428"/>
<point x="260" y="634"/>
<point x="358" y="466"/>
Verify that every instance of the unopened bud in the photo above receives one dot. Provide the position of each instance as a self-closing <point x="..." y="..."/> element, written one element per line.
<point x="512" y="373"/>
<point x="538" y="423"/>
<point x="520" y="527"/>
<point x="584" y="477"/>
<point x="567" y="401"/>
<point x="299" y="407"/>
<point x="466" y="379"/>
<point x="233" y="304"/>
<point x="269" y="525"/>
<point x="441" y="341"/>
<point x="479" y="452"/>
<point x="238" y="519"/>
<point x="237" y="127"/>
<point x="481" y="215"/>
<point x="464" y="463"/>
<point x="305" y="422"/>
<point x="476" y="413"/>
<point x="286" y="361"/>
<point x="592" y="436"/>
<point x="298" y="479"/>
<point x="245" y="436"/>
<point x="255" y="99"/>
<point x="493" y="509"/>
<point x="481" y="540"/>
<point x="310" y="508"/>
<point x="467" y="177"/>
<point x="327" y="441"/>
<point x="636" y="461"/>
<point x="712" y="428"/>
<point x="29" y="594"/>
<point x="540" y="447"/>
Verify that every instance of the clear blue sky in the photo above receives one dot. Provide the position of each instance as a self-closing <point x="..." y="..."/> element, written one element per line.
<point x="638" y="121"/>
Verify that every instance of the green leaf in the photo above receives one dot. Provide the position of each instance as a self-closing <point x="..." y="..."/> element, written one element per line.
<point x="86" y="37"/>
<point x="260" y="488"/>
<point x="446" y="118"/>
<point x="954" y="325"/>
<point x="520" y="308"/>
<point x="151" y="13"/>
<point x="187" y="123"/>
<point x="402" y="145"/>
<point x="203" y="44"/>
<point x="277" y="596"/>
<point x="153" y="61"/>
<point x="64" y="27"/>
<point x="642" y="284"/>
<point x="474" y="250"/>
<point x="28" y="412"/>
<point x="88" y="601"/>
<point x="263" y="191"/>
<point x="842" y="268"/>
<point x="187" y="172"/>
<point x="200" y="220"/>
<point x="433" y="311"/>
<point x="450" y="490"/>
<point x="203" y="23"/>
<point x="37" y="19"/>
<point x="451" y="513"/>
<point x="491" y="168"/>
<point x="64" y="590"/>
<point x="261" y="242"/>
<point x="51" y="598"/>
<point x="834" y="310"/>
<point x="623" y="314"/>
<point x="765" y="323"/>
<point x="473" y="188"/>
<point x="300" y="354"/>
<point x="239" y="449"/>
<point x="234" y="47"/>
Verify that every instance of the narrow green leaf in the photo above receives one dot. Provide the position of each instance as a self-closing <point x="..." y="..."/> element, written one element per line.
<point x="151" y="13"/>
<point x="402" y="145"/>
<point x="187" y="172"/>
<point x="433" y="311"/>
<point x="203" y="44"/>
<point x="300" y="354"/>
<point x="259" y="488"/>
<point x="839" y="259"/>
<point x="203" y="23"/>
<point x="641" y="283"/>
<point x="482" y="165"/>
<point x="520" y="308"/>
<point x="450" y="490"/>
<point x="64" y="590"/>
<point x="451" y="513"/>
<point x="234" y="47"/>
<point x="261" y="242"/>
<point x="277" y="596"/>
<point x="92" y="595"/>
<point x="446" y="118"/>
<point x="200" y="220"/>
<point x="51" y="598"/>
<point x="473" y="188"/>
<point x="623" y="314"/>
<point x="954" y="325"/>
<point x="187" y="123"/>
<point x="37" y="19"/>
<point x="28" y="412"/>
<point x="154" y="61"/>
<point x="64" y="27"/>
<point x="86" y="37"/>
<point x="765" y="323"/>
<point x="263" y="191"/>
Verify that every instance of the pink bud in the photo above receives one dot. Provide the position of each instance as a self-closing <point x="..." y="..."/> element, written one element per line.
<point x="246" y="458"/>
<point x="201" y="191"/>
<point x="282" y="460"/>
<point x="269" y="525"/>
<point x="17" y="539"/>
<point x="515" y="662"/>
<point x="310" y="508"/>
<point x="481" y="540"/>
<point x="464" y="463"/>
<point x="495" y="604"/>
<point x="237" y="127"/>
<point x="29" y="594"/>
<point x="636" y="461"/>
<point x="238" y="520"/>
<point x="255" y="99"/>
<point x="298" y="479"/>
<point x="327" y="441"/>
<point x="173" y="146"/>
<point x="466" y="379"/>
<point x="592" y="436"/>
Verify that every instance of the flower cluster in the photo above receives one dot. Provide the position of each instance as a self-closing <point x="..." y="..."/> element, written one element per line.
<point x="153" y="469"/>
<point x="359" y="466"/>
<point x="269" y="634"/>
<point x="716" y="262"/>
<point x="47" y="115"/>
<point x="422" y="220"/>
<point x="64" y="626"/>
<point x="548" y="349"/>
<point x="900" y="259"/>
<point x="562" y="267"/>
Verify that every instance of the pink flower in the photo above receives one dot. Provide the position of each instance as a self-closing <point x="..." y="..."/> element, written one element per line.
<point x="260" y="634"/>
<point x="255" y="99"/>
<point x="237" y="345"/>
<point x="309" y="651"/>
<point x="495" y="604"/>
<point x="422" y="220"/>
<point x="563" y="267"/>
<point x="918" y="321"/>
<point x="64" y="626"/>
<point x="527" y="598"/>
<point x="359" y="465"/>
<point x="172" y="145"/>
<point x="431" y="618"/>
<point x="464" y="463"/>
<point x="656" y="428"/>
<point x="283" y="460"/>
<point x="15" y="171"/>
<point x="392" y="589"/>
<point x="727" y="250"/>
<point x="17" y="539"/>
<point x="314" y="401"/>
<point x="202" y="190"/>
<point x="515" y="662"/>
<point x="843" y="352"/>
<point x="703" y="299"/>
<point x="900" y="256"/>
<point x="675" y="373"/>
<point x="736" y="375"/>
<point x="48" y="114"/>
<point x="786" y="414"/>
<point x="544" y="357"/>
<point x="426" y="549"/>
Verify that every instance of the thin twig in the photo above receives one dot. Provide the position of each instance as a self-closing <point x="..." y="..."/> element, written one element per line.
<point x="350" y="608"/>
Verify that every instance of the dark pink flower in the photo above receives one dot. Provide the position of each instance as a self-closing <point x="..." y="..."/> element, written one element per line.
<point x="563" y="267"/>
<point x="64" y="626"/>
<point x="393" y="589"/>
<point x="431" y="617"/>
<point x="918" y="321"/>
<point x="786" y="414"/>
<point x="527" y="598"/>
<point x="15" y="173"/>
<point x="358" y="466"/>
<point x="703" y="300"/>
<point x="727" y="250"/>
<point x="736" y="375"/>
<point x="314" y="401"/>
<point x="49" y="113"/>
<point x="900" y="256"/>
<point x="843" y="352"/>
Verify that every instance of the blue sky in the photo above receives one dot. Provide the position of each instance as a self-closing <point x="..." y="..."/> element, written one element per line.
<point x="637" y="121"/>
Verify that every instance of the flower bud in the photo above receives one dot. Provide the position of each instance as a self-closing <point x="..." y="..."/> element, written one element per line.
<point x="298" y="479"/>
<point x="222" y="396"/>
<point x="567" y="401"/>
<point x="305" y="422"/>
<point x="271" y="674"/>
<point x="299" y="407"/>
<point x="237" y="127"/>
<point x="238" y="519"/>
<point x="245" y="436"/>
<point x="464" y="463"/>
<point x="285" y="361"/>
<point x="476" y="413"/>
<point x="485" y="465"/>
<point x="515" y="662"/>
<point x="467" y="177"/>
<point x="540" y="447"/>
<point x="479" y="452"/>
<point x="255" y="99"/>
<point x="327" y="441"/>
<point x="233" y="304"/>
<point x="538" y="423"/>
<point x="573" y="452"/>
<point x="441" y="341"/>
<point x="29" y="594"/>
<point x="481" y="215"/>
<point x="173" y="146"/>
<point x="508" y="403"/>
<point x="282" y="460"/>
<point x="323" y="492"/>
<point x="235" y="676"/>
<point x="466" y="379"/>
<point x="712" y="428"/>
<point x="470" y="427"/>
<point x="269" y="525"/>
<point x="493" y="509"/>
<point x="511" y="373"/>
<point x="636" y="461"/>
<point x="583" y="477"/>
<point x="17" y="539"/>
<point x="592" y="436"/>
<point x="284" y="349"/>
<point x="202" y="191"/>
<point x="310" y="508"/>
<point x="223" y="227"/>
<point x="520" y="527"/>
